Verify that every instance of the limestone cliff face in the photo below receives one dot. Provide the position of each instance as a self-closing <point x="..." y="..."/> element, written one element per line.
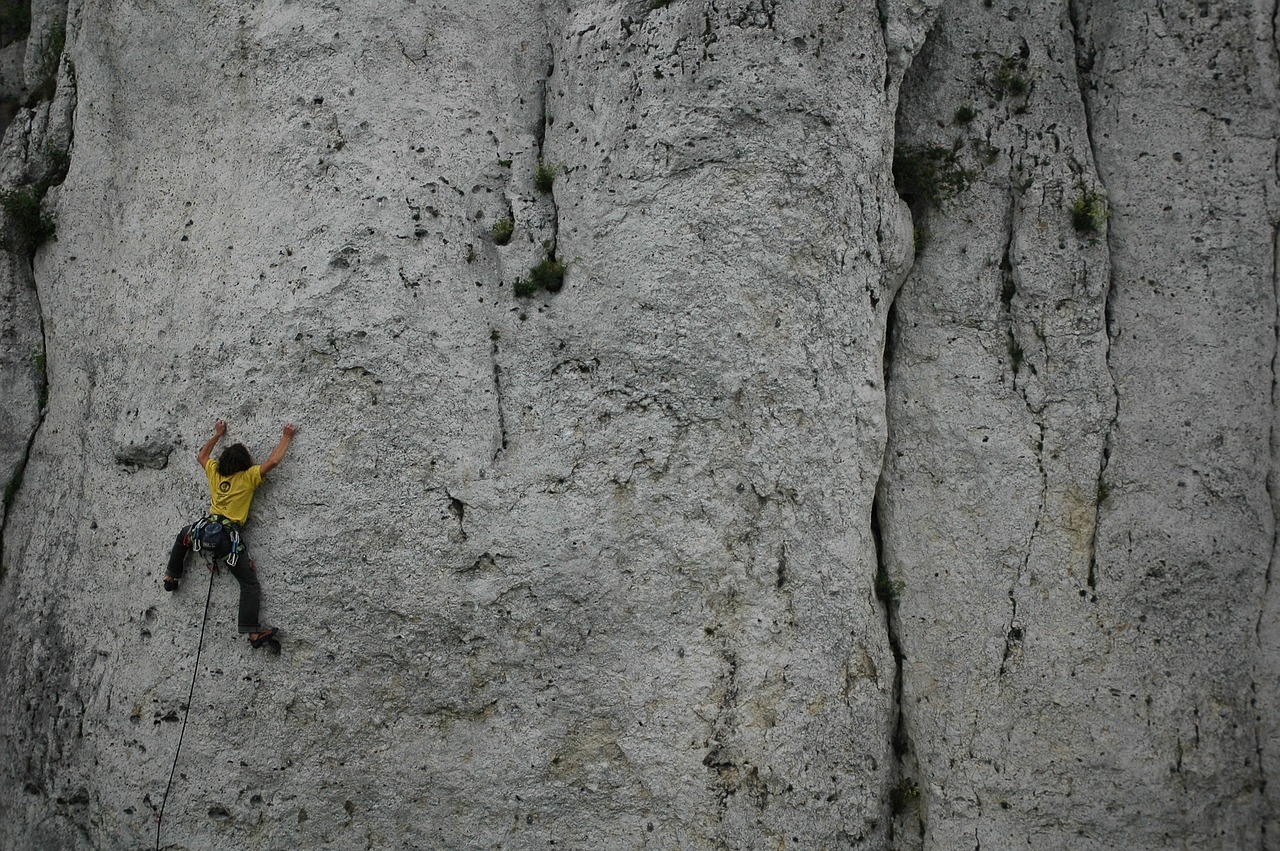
<point x="1080" y="430"/>
<point x="792" y="519"/>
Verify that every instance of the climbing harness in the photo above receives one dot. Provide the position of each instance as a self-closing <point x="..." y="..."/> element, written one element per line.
<point x="218" y="537"/>
<point x="190" y="695"/>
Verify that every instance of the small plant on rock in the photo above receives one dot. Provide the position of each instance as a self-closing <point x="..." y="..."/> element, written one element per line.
<point x="964" y="115"/>
<point x="929" y="175"/>
<point x="903" y="795"/>
<point x="28" y="226"/>
<point x="544" y="176"/>
<point x="547" y="275"/>
<point x="1010" y="80"/>
<point x="11" y="489"/>
<point x="52" y="44"/>
<point x="1104" y="490"/>
<point x="1016" y="354"/>
<point x="502" y="230"/>
<point x="1089" y="212"/>
<point x="59" y="160"/>
<point x="888" y="590"/>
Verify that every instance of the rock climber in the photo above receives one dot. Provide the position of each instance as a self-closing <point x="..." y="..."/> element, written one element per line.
<point x="233" y="477"/>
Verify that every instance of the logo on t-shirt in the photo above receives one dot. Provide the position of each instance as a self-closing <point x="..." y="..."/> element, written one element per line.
<point x="223" y="487"/>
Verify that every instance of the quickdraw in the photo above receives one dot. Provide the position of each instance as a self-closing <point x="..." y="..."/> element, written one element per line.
<point x="215" y="533"/>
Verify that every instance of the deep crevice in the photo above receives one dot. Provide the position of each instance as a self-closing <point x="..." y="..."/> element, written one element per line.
<point x="494" y="336"/>
<point x="24" y="275"/>
<point x="884" y="37"/>
<point x="1273" y="495"/>
<point x="1015" y="631"/>
<point x="901" y="740"/>
<point x="15" y="481"/>
<point x="887" y="590"/>
<point x="27" y="225"/>
<point x="1085" y="57"/>
<point x="1271" y="484"/>
<point x="1275" y="37"/>
<point x="544" y="127"/>
<point x="1008" y="289"/>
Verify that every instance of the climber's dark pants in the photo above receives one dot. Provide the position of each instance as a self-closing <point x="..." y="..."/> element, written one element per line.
<point x="243" y="570"/>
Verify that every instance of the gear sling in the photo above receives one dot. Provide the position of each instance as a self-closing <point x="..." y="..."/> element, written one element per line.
<point x="220" y="540"/>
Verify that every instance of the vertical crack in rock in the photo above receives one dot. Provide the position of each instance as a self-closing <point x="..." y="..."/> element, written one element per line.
<point x="884" y="33"/>
<point x="906" y="29"/>
<point x="45" y="148"/>
<point x="1265" y="626"/>
<point x="901" y="773"/>
<point x="21" y="267"/>
<point x="547" y="169"/>
<point x="782" y="566"/>
<point x="886" y="592"/>
<point x="729" y="775"/>
<point x="1076" y="15"/>
<point x="1273" y="495"/>
<point x="1273" y="488"/>
<point x="1275" y="37"/>
<point x="1009" y="289"/>
<point x="501" y="446"/>
<point x="458" y="509"/>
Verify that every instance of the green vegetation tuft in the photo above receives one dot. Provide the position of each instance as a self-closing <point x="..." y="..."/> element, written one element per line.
<point x="887" y="590"/>
<point x="903" y="795"/>
<point x="1010" y="80"/>
<point x="1089" y="212"/>
<point x="51" y="48"/>
<point x="28" y="226"/>
<point x="544" y="176"/>
<point x="547" y="275"/>
<point x="1016" y="354"/>
<point x="927" y="176"/>
<point x="11" y="489"/>
<point x="502" y="230"/>
<point x="59" y="162"/>
<point x="964" y="115"/>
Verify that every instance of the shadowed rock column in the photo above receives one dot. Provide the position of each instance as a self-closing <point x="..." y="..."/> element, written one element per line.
<point x="1075" y="497"/>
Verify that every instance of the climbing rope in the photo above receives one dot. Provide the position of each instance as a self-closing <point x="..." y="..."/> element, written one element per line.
<point x="190" y="694"/>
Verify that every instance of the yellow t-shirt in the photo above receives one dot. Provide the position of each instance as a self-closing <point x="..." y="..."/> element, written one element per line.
<point x="230" y="495"/>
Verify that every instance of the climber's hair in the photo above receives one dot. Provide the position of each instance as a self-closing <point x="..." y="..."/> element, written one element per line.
<point x="234" y="459"/>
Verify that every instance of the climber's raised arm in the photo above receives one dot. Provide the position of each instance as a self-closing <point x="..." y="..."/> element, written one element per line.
<point x="277" y="454"/>
<point x="206" y="451"/>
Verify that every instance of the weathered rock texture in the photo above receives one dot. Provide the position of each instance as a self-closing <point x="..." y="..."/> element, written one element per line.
<point x="1076" y="493"/>
<point x="730" y="542"/>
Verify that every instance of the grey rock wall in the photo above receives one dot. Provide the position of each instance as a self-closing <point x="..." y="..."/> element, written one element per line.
<point x="1193" y="328"/>
<point x="792" y="520"/>
<point x="1080" y="432"/>
<point x="1000" y="404"/>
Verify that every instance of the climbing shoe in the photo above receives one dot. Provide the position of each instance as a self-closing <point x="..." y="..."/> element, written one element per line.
<point x="170" y="584"/>
<point x="262" y="637"/>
